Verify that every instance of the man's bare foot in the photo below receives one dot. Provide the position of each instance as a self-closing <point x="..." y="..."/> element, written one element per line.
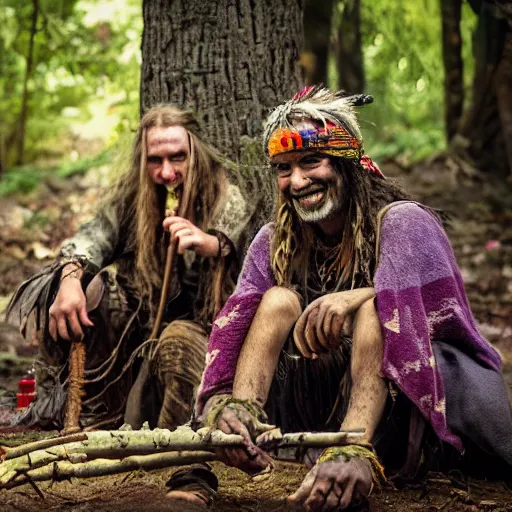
<point x="198" y="498"/>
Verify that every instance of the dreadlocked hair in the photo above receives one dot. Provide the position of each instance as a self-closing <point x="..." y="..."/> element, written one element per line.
<point x="363" y="196"/>
<point x="140" y="203"/>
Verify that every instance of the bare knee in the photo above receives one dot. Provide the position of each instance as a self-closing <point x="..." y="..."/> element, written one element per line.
<point x="281" y="303"/>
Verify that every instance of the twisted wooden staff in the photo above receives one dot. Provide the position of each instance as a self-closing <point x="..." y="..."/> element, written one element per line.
<point x="77" y="351"/>
<point x="169" y="261"/>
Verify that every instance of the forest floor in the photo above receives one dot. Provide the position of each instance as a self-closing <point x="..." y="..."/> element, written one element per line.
<point x="31" y="228"/>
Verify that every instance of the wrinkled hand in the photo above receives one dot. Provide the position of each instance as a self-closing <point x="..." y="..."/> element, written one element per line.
<point x="326" y="320"/>
<point x="187" y="236"/>
<point x="334" y="485"/>
<point x="68" y="313"/>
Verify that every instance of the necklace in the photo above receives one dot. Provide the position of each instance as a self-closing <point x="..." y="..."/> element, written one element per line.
<point x="325" y="269"/>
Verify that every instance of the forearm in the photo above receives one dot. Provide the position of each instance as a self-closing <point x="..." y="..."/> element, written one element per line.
<point x="94" y="243"/>
<point x="369" y="392"/>
<point x="359" y="296"/>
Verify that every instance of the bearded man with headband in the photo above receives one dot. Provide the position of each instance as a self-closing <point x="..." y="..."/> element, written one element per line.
<point x="105" y="286"/>
<point x="350" y="313"/>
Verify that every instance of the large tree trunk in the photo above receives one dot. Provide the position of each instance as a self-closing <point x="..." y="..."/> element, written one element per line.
<point x="317" y="36"/>
<point x="453" y="65"/>
<point x="230" y="60"/>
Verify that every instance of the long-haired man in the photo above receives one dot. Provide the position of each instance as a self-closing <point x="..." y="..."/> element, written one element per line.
<point x="105" y="285"/>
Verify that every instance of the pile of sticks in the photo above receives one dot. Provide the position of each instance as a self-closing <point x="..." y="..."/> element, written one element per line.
<point x="108" y="452"/>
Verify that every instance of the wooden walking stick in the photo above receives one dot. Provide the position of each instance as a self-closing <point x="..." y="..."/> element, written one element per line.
<point x="77" y="356"/>
<point x="77" y="352"/>
<point x="75" y="387"/>
<point x="169" y="261"/>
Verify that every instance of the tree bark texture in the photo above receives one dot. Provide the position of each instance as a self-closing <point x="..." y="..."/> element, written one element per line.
<point x="453" y="65"/>
<point x="230" y="60"/>
<point x="348" y="47"/>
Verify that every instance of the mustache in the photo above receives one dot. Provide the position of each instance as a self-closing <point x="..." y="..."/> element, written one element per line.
<point x="309" y="190"/>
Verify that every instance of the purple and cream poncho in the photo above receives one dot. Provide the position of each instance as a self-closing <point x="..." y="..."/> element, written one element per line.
<point x="420" y="298"/>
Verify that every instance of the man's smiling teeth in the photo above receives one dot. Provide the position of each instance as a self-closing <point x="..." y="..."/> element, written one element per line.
<point x="311" y="200"/>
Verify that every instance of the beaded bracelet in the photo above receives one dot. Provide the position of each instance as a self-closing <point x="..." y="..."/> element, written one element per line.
<point x="72" y="273"/>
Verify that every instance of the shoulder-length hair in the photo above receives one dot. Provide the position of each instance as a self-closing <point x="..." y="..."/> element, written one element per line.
<point x="363" y="196"/>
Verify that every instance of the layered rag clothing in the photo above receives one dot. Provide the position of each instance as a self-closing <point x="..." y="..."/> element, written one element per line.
<point x="426" y="322"/>
<point x="122" y="321"/>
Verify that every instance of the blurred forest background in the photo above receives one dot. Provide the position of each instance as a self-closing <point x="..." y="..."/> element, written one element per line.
<point x="70" y="70"/>
<point x="75" y="74"/>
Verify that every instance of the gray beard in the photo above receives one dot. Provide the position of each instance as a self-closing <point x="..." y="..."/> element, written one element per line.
<point x="328" y="209"/>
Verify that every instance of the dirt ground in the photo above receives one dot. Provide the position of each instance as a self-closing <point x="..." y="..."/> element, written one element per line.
<point x="481" y="234"/>
<point x="237" y="492"/>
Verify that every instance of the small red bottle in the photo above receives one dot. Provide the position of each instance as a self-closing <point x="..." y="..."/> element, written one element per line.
<point x="26" y="391"/>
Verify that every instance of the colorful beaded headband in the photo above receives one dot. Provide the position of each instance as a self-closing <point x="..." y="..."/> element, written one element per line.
<point x="321" y="120"/>
<point x="332" y="140"/>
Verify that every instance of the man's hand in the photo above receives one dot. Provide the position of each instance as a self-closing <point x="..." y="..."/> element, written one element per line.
<point x="250" y="459"/>
<point x="326" y="320"/>
<point x="334" y="485"/>
<point x="68" y="313"/>
<point x="190" y="237"/>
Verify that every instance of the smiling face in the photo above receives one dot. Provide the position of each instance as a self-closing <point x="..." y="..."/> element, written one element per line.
<point x="168" y="152"/>
<point x="312" y="184"/>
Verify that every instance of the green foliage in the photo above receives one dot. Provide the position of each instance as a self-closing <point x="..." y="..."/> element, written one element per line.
<point x="87" y="59"/>
<point x="404" y="72"/>
<point x="85" y="52"/>
<point x="24" y="179"/>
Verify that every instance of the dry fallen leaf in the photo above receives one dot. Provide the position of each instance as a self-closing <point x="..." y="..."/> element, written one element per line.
<point x="41" y="252"/>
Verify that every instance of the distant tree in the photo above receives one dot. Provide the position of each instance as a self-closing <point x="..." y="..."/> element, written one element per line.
<point x="485" y="129"/>
<point x="347" y="47"/>
<point x="317" y="40"/>
<point x="453" y="65"/>
<point x="29" y="67"/>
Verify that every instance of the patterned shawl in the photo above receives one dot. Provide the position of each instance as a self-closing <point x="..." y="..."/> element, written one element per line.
<point x="420" y="298"/>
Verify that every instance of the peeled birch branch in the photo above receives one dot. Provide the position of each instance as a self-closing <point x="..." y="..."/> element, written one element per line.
<point x="102" y="467"/>
<point x="125" y="448"/>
